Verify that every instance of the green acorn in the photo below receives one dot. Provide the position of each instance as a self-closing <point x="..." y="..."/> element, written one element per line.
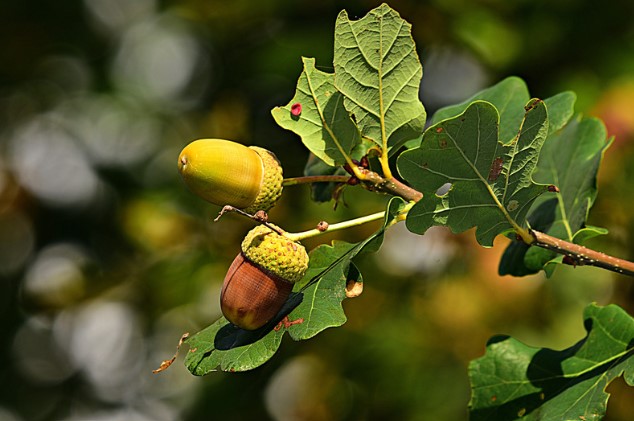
<point x="261" y="277"/>
<point x="228" y="173"/>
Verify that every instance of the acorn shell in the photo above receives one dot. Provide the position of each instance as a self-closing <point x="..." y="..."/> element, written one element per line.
<point x="228" y="173"/>
<point x="251" y="295"/>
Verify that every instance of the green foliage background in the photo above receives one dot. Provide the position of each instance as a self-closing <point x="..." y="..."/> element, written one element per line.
<point x="106" y="259"/>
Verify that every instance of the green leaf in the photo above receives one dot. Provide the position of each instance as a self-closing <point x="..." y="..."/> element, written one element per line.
<point x="212" y="348"/>
<point x="569" y="159"/>
<point x="322" y="304"/>
<point x="491" y="184"/>
<point x="509" y="97"/>
<point x="321" y="307"/>
<point x="561" y="108"/>
<point x="324" y="125"/>
<point x="513" y="380"/>
<point x="314" y="305"/>
<point x="379" y="73"/>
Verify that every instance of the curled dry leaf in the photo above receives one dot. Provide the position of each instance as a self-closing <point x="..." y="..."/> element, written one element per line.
<point x="354" y="288"/>
<point x="165" y="364"/>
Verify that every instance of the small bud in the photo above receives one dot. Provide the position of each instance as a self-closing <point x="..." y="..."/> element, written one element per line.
<point x="322" y="226"/>
<point x="261" y="216"/>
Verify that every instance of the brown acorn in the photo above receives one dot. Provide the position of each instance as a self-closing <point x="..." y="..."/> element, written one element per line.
<point x="261" y="277"/>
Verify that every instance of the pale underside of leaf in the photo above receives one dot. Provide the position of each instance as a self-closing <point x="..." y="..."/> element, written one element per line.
<point x="378" y="71"/>
<point x="319" y="117"/>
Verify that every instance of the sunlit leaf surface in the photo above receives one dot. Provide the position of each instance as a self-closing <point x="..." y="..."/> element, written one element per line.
<point x="516" y="381"/>
<point x="491" y="183"/>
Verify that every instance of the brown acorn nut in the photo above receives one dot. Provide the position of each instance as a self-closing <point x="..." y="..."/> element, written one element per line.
<point x="261" y="278"/>
<point x="228" y="173"/>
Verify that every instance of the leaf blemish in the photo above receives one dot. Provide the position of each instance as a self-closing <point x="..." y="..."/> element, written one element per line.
<point x="496" y="169"/>
<point x="513" y="205"/>
<point x="439" y="129"/>
<point x="442" y="143"/>
<point x="296" y="109"/>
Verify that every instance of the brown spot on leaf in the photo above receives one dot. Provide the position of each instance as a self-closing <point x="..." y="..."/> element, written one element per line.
<point x="512" y="205"/>
<point x="286" y="323"/>
<point x="442" y="143"/>
<point x="439" y="129"/>
<point x="496" y="168"/>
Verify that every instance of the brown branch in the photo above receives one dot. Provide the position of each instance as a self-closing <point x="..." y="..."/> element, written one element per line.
<point x="375" y="182"/>
<point x="580" y="255"/>
<point x="576" y="254"/>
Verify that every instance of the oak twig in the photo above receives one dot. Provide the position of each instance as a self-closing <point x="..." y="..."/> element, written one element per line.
<point x="582" y="255"/>
<point x="309" y="179"/>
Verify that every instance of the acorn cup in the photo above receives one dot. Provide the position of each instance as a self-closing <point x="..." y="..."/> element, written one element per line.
<point x="228" y="173"/>
<point x="261" y="278"/>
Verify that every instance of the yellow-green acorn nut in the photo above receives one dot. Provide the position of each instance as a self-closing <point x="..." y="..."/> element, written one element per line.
<point x="228" y="173"/>
<point x="261" y="278"/>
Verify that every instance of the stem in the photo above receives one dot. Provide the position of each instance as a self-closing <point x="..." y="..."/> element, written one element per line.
<point x="315" y="179"/>
<point x="298" y="236"/>
<point x="374" y="182"/>
<point x="582" y="255"/>
<point x="385" y="166"/>
<point x="260" y="217"/>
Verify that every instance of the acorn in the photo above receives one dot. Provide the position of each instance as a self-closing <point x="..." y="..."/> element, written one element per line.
<point x="228" y="173"/>
<point x="261" y="277"/>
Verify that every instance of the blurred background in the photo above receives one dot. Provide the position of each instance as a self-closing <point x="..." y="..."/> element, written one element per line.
<point x="106" y="258"/>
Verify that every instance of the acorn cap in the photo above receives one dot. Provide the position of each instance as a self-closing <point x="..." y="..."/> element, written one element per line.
<point x="271" y="185"/>
<point x="275" y="253"/>
<point x="228" y="173"/>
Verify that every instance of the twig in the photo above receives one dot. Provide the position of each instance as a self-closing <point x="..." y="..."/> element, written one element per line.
<point x="375" y="182"/>
<point x="582" y="255"/>
<point x="324" y="227"/>
<point x="259" y="216"/>
<point x="309" y="179"/>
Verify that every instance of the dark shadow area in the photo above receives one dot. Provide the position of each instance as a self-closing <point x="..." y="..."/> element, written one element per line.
<point x="545" y="372"/>
<point x="231" y="336"/>
<point x="512" y="262"/>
